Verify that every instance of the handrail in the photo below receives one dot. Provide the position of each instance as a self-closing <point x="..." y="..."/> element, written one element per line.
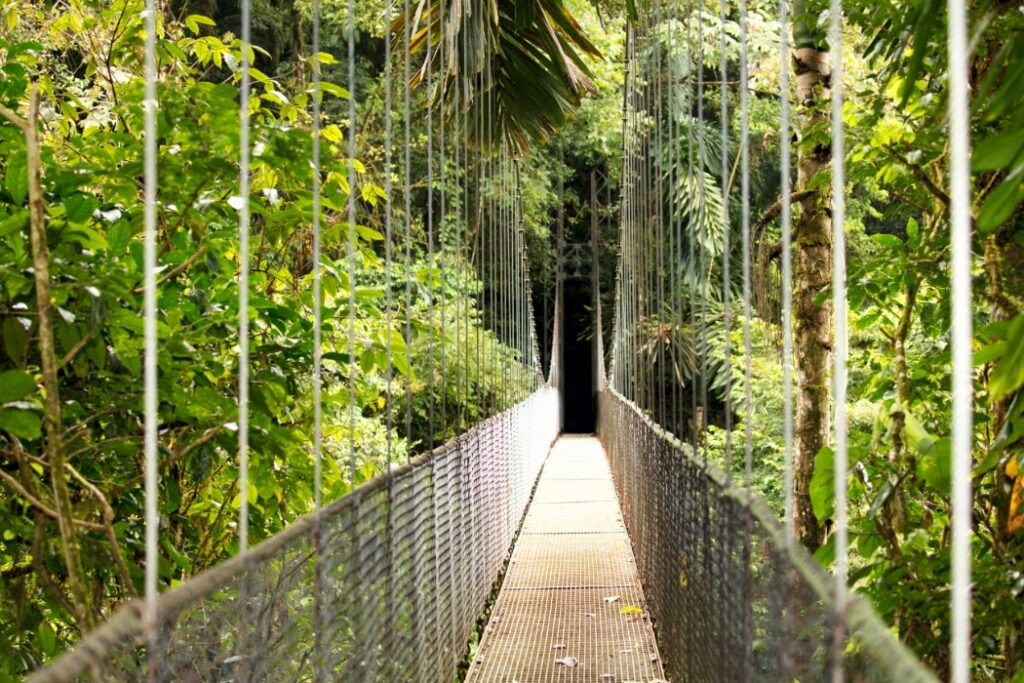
<point x="503" y="437"/>
<point x="864" y="625"/>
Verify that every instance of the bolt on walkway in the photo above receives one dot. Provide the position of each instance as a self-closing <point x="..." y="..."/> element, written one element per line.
<point x="571" y="608"/>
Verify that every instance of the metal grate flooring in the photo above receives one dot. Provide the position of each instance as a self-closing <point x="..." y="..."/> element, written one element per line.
<point x="571" y="609"/>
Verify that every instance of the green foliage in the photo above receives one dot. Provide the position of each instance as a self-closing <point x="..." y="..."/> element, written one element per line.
<point x="525" y="56"/>
<point x="92" y="166"/>
<point x="898" y="285"/>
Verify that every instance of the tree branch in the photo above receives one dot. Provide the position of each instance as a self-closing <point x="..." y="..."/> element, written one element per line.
<point x="108" y="528"/>
<point x="177" y="455"/>
<point x="775" y="209"/>
<point x="177" y="270"/>
<point x="42" y="507"/>
<point x="41" y="573"/>
<point x="921" y="175"/>
<point x="77" y="348"/>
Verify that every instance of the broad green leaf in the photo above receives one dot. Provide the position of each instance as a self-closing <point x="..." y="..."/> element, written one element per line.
<point x="989" y="353"/>
<point x="87" y="237"/>
<point x="917" y="436"/>
<point x="934" y="466"/>
<point x="1008" y="374"/>
<point x="79" y="207"/>
<point x="1011" y="432"/>
<point x="15" y="384"/>
<point x="193" y="21"/>
<point x="997" y="151"/>
<point x="47" y="638"/>
<point x="118" y="237"/>
<point x="16" y="177"/>
<point x="180" y="559"/>
<point x="368" y="233"/>
<point x="1002" y="202"/>
<point x="822" y="488"/>
<point x="334" y="89"/>
<point x="13" y="223"/>
<point x="24" y="424"/>
<point x="890" y="241"/>
<point x="15" y="340"/>
<point x="924" y="25"/>
<point x="826" y="554"/>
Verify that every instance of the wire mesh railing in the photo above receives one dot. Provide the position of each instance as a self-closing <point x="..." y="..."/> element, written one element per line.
<point x="385" y="584"/>
<point x="732" y="599"/>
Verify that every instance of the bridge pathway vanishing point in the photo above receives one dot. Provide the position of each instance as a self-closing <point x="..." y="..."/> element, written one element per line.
<point x="571" y="608"/>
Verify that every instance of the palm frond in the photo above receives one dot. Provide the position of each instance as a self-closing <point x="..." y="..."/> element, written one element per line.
<point x="513" y="70"/>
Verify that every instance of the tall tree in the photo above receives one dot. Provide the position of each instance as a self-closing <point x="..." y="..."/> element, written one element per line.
<point x="812" y="263"/>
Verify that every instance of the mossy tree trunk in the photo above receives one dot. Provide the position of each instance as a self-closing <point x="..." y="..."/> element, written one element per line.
<point x="812" y="237"/>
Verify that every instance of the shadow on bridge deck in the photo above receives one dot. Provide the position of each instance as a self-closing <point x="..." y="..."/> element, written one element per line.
<point x="571" y="607"/>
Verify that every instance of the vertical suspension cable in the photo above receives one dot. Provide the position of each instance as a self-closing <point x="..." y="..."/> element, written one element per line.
<point x="150" y="405"/>
<point x="647" y="217"/>
<point x="489" y="243"/>
<point x="463" y="242"/>
<point x="470" y="176"/>
<point x="407" y="196"/>
<point x="509" y="297"/>
<point x="457" y="143"/>
<point x="478" y="242"/>
<point x="430" y="235"/>
<point x="642" y="215"/>
<point x="523" y="283"/>
<point x="786" y="221"/>
<point x="503" y="266"/>
<point x="748" y="412"/>
<point x="631" y="302"/>
<point x="389" y="373"/>
<point x="726" y="293"/>
<point x="631" y="299"/>
<point x="317" y="272"/>
<point x="352" y="241"/>
<point x="443" y="75"/>
<point x="243" y="287"/>
<point x="704" y="257"/>
<point x="622" y="318"/>
<point x="429" y="65"/>
<point x="962" y="336"/>
<point x="495" y="170"/>
<point x="660" y="206"/>
<point x="726" y="241"/>
<point x="676" y="218"/>
<point x="691" y="236"/>
<point x="839" y="344"/>
<point x="674" y="399"/>
<point x="318" y="575"/>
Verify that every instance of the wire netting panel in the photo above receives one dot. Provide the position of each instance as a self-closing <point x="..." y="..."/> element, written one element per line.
<point x="386" y="584"/>
<point x="732" y="601"/>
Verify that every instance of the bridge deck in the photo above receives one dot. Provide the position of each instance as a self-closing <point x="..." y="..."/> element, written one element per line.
<point x="571" y="608"/>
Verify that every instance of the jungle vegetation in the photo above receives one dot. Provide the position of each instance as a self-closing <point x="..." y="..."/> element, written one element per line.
<point x="70" y="376"/>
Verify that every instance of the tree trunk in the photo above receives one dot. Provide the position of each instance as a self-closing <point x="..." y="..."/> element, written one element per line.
<point x="812" y="237"/>
<point x="48" y="360"/>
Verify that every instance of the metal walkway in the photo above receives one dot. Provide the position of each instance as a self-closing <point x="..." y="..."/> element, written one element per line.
<point x="571" y="608"/>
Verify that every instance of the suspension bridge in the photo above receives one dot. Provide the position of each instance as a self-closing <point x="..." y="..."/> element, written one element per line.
<point x="514" y="552"/>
